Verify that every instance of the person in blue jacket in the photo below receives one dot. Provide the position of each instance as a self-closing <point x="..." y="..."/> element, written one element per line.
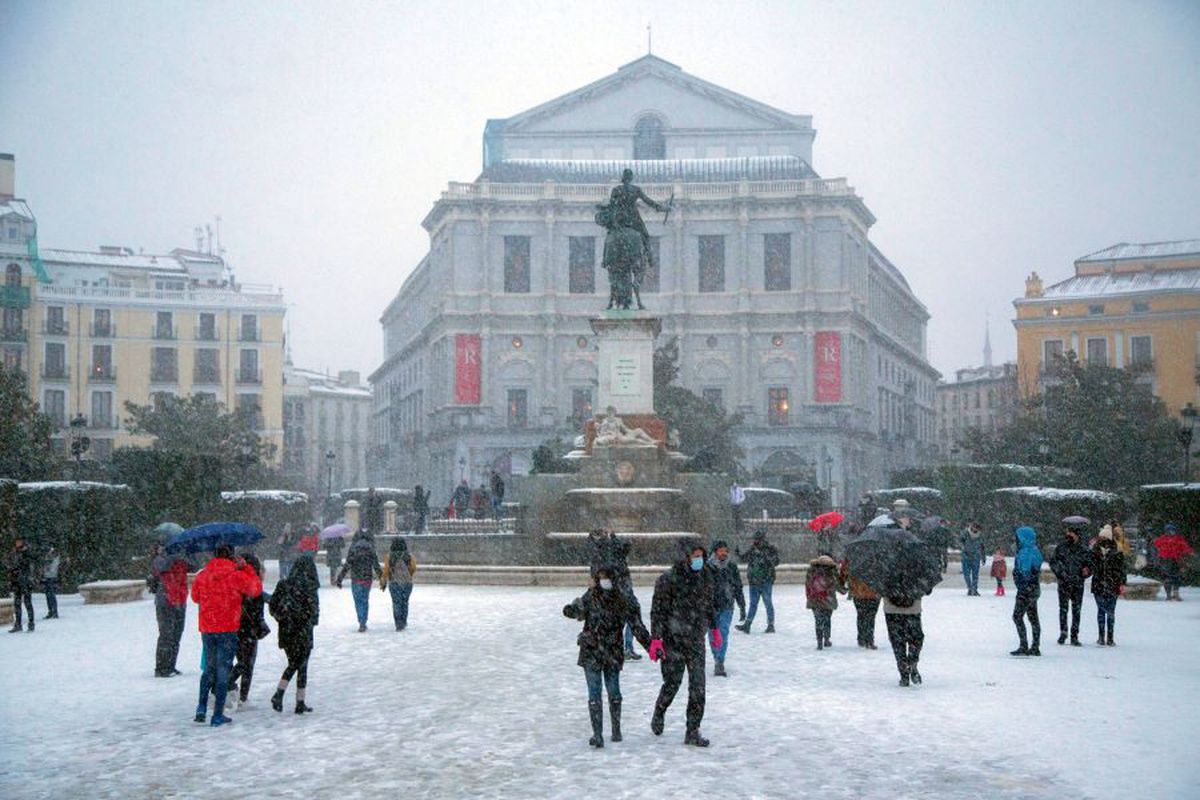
<point x="1027" y="570"/>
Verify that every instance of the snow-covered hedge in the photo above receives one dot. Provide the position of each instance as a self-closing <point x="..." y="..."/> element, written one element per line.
<point x="269" y="511"/>
<point x="1161" y="503"/>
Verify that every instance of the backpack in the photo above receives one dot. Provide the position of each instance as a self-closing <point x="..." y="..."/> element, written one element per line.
<point x="818" y="588"/>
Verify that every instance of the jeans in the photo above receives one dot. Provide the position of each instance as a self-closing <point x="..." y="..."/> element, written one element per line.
<point x="867" y="609"/>
<point x="906" y="636"/>
<point x="1026" y="606"/>
<point x="22" y="596"/>
<point x="680" y="656"/>
<point x="970" y="569"/>
<point x="50" y="587"/>
<point x="1106" y="613"/>
<point x="823" y="621"/>
<point x="171" y="621"/>
<point x="612" y="682"/>
<point x="1069" y="594"/>
<point x="400" y="594"/>
<point x="362" y="599"/>
<point x="764" y="592"/>
<point x="422" y="516"/>
<point x="724" y="618"/>
<point x="497" y="504"/>
<point x="219" y="650"/>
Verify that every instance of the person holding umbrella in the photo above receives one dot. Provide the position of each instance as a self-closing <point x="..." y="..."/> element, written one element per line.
<point x="219" y="590"/>
<point x="1027" y="572"/>
<point x="297" y="608"/>
<point x="1172" y="549"/>
<point x="169" y="581"/>
<point x="1071" y="563"/>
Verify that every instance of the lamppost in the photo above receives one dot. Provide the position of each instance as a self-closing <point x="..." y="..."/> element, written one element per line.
<point x="80" y="443"/>
<point x="462" y="467"/>
<point x="330" y="457"/>
<point x="1188" y="413"/>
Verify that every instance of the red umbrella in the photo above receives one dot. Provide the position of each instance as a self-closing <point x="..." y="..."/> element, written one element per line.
<point x="830" y="519"/>
<point x="1172" y="546"/>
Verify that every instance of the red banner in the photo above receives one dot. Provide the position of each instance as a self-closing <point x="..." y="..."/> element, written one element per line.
<point x="467" y="352"/>
<point x="827" y="367"/>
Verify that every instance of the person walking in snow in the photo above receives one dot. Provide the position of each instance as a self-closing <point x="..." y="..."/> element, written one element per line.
<point x="1027" y="572"/>
<point x="252" y="628"/>
<point x="219" y="590"/>
<point x="999" y="569"/>
<point x="1108" y="583"/>
<point x="22" y="571"/>
<point x="606" y="549"/>
<point x="737" y="498"/>
<point x="903" y="618"/>
<point x="761" y="560"/>
<point x="605" y="611"/>
<point x="421" y="507"/>
<point x="970" y="543"/>
<point x="169" y="581"/>
<point x="1172" y="550"/>
<point x="820" y="591"/>
<point x="727" y="589"/>
<point x="297" y="610"/>
<point x="1071" y="563"/>
<point x="333" y="556"/>
<point x="461" y="499"/>
<point x="286" y="544"/>
<point x="397" y="577"/>
<point x="682" y="610"/>
<point x="866" y="605"/>
<point x="51" y="566"/>
<point x="364" y="569"/>
<point x="497" y="495"/>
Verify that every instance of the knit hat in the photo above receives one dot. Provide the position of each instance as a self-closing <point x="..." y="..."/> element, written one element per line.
<point x="823" y="560"/>
<point x="1106" y="532"/>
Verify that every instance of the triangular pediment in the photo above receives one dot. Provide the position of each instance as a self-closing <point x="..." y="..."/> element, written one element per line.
<point x="652" y="85"/>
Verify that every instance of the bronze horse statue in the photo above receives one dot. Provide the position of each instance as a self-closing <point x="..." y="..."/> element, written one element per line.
<point x="624" y="258"/>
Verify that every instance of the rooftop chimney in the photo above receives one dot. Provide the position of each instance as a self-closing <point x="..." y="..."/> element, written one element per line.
<point x="8" y="176"/>
<point x="1033" y="285"/>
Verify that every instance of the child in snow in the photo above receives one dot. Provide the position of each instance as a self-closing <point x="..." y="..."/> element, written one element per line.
<point x="605" y="610"/>
<point x="253" y="627"/>
<point x="820" y="589"/>
<point x="296" y="608"/>
<point x="999" y="570"/>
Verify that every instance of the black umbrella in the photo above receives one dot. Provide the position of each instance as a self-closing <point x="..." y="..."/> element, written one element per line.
<point x="936" y="531"/>
<point x="894" y="562"/>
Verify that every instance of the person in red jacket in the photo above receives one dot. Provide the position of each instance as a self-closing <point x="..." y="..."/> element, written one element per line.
<point x="219" y="590"/>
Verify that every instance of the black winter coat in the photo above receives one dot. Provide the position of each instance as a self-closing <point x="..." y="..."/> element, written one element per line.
<point x="1071" y="562"/>
<point x="609" y="552"/>
<point x="760" y="564"/>
<point x="22" y="570"/>
<point x="604" y="614"/>
<point x="361" y="562"/>
<point x="296" y="608"/>
<point x="684" y="606"/>
<point x="727" y="586"/>
<point x="1108" y="571"/>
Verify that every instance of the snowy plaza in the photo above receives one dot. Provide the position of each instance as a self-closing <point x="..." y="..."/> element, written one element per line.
<point x="481" y="697"/>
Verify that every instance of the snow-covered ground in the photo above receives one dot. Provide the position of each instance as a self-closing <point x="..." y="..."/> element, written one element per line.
<point x="481" y="697"/>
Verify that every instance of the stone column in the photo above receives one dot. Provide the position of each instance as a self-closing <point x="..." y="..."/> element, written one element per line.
<point x="389" y="516"/>
<point x="351" y="514"/>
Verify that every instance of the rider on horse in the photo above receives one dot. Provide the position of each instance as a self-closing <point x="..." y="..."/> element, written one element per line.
<point x="626" y="260"/>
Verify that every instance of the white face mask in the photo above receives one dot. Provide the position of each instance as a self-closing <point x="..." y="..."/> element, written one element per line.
<point x="605" y="584"/>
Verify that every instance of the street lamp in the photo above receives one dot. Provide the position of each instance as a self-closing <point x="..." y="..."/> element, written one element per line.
<point x="1188" y="413"/>
<point x="330" y="457"/>
<point x="462" y="468"/>
<point x="80" y="443"/>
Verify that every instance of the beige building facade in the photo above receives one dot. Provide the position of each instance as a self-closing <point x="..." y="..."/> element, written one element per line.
<point x="326" y="429"/>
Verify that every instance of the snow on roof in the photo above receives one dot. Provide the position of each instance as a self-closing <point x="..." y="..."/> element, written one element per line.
<point x="126" y="259"/>
<point x="1125" y="250"/>
<point x="341" y="391"/>
<point x="926" y="490"/>
<point x="1117" y="283"/>
<point x="684" y="170"/>
<point x="18" y="207"/>
<point x="1191" y="487"/>
<point x="1050" y="493"/>
<point x="265" y="494"/>
<point x="75" y="486"/>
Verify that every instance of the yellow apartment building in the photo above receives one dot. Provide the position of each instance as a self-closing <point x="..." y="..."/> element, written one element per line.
<point x="1126" y="305"/>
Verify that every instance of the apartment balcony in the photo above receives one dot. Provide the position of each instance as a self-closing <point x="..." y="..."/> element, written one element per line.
<point x="207" y="376"/>
<point x="56" y="328"/>
<point x="102" y="373"/>
<point x="14" y="335"/>
<point x="108" y="331"/>
<point x="249" y="377"/>
<point x="55" y="372"/>
<point x="163" y="332"/>
<point x="246" y="335"/>
<point x="14" y="297"/>
<point x="164" y="375"/>
<point x="206" y="334"/>
<point x="102" y="424"/>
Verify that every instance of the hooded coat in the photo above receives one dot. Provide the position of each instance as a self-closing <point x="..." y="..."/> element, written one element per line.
<point x="1027" y="566"/>
<point x="400" y="566"/>
<point x="604" y="613"/>
<point x="683" y="609"/>
<point x="821" y="585"/>
<point x="611" y="553"/>
<point x="297" y="608"/>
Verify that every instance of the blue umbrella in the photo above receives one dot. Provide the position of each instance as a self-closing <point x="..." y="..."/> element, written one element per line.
<point x="203" y="538"/>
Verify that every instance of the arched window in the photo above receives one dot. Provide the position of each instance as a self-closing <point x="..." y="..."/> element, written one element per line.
<point x="12" y="276"/>
<point x="648" y="139"/>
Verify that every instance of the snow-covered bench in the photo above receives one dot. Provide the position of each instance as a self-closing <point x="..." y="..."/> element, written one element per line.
<point x="1141" y="589"/>
<point x="112" y="591"/>
<point x="6" y="610"/>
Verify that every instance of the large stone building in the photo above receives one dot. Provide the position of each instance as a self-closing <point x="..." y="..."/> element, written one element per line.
<point x="96" y="329"/>
<point x="983" y="398"/>
<point x="326" y="429"/>
<point x="783" y="308"/>
<point x="1127" y="305"/>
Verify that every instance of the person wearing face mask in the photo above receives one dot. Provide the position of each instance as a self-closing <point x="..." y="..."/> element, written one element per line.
<point x="682" y="610"/>
<point x="1108" y="583"/>
<point x="1072" y="564"/>
<point x="605" y="611"/>
<point x="727" y="590"/>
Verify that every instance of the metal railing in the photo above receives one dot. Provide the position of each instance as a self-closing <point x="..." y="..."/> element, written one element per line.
<point x="163" y="332"/>
<point x="108" y="331"/>
<point x="249" y="377"/>
<point x="56" y="328"/>
<point x="102" y="373"/>
<point x="55" y="372"/>
<point x="164" y="375"/>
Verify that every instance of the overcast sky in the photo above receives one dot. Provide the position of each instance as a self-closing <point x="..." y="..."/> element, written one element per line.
<point x="989" y="139"/>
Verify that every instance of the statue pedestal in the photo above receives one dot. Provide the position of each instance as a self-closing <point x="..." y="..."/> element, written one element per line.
<point x="626" y="364"/>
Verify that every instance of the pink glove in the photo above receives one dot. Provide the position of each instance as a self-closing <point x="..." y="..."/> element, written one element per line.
<point x="657" y="650"/>
<point x="1121" y="590"/>
<point x="717" y="638"/>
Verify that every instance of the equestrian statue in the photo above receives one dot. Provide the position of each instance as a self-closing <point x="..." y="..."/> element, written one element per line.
<point x="627" y="251"/>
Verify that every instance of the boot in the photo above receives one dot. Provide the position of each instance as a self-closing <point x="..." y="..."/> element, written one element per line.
<point x="1062" y="638"/>
<point x="770" y="627"/>
<point x="301" y="708"/>
<point x="1023" y="650"/>
<point x="656" y="721"/>
<point x="596" y="712"/>
<point x="15" y="628"/>
<point x="827" y="642"/>
<point x="695" y="739"/>
<point x="277" y="699"/>
<point x="614" y="714"/>
<point x="914" y="676"/>
<point x="632" y="655"/>
<point x="904" y="679"/>
<point x="1035" y="651"/>
<point x="744" y="627"/>
<point x="719" y="669"/>
<point x="1002" y="590"/>
<point x="1110" y="641"/>
<point x="1100" y="641"/>
<point x="1075" y="641"/>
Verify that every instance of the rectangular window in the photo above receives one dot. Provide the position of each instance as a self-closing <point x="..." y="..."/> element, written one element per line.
<point x="164" y="325"/>
<point x="207" y="397"/>
<point x="1051" y="349"/>
<point x="582" y="265"/>
<point x="777" y="405"/>
<point x="248" y="367"/>
<point x="1140" y="307"/>
<point x="160" y="400"/>
<point x="777" y="262"/>
<point x="102" y="366"/>
<point x="650" y="280"/>
<point x="516" y="264"/>
<point x="208" y="366"/>
<point x="56" y="323"/>
<point x="250" y="406"/>
<point x="518" y="408"/>
<point x="54" y="404"/>
<point x="12" y="358"/>
<point x="102" y="410"/>
<point x="1096" y="310"/>
<point x="55" y="365"/>
<point x="714" y="396"/>
<point x="206" y="330"/>
<point x="712" y="263"/>
<point x="164" y="365"/>
<point x="102" y="323"/>
<point x="1140" y="351"/>
<point x="581" y="404"/>
<point x="1097" y="352"/>
<point x="249" y="328"/>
